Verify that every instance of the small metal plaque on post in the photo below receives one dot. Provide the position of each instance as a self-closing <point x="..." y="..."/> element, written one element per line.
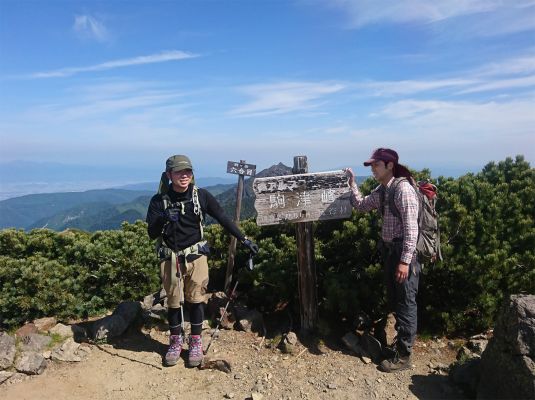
<point x="302" y="197"/>
<point x="239" y="168"/>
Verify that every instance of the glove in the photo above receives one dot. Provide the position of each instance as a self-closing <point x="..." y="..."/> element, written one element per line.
<point x="172" y="214"/>
<point x="253" y="247"/>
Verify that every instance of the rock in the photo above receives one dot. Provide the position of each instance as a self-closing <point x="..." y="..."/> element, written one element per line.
<point x="63" y="330"/>
<point x="477" y="346"/>
<point x="7" y="350"/>
<point x="466" y="375"/>
<point x="332" y="386"/>
<point x="25" y="330"/>
<point x="31" y="363"/>
<point x="288" y="343"/>
<point x="465" y="354"/>
<point x="366" y="360"/>
<point x="256" y="396"/>
<point x="385" y="330"/>
<point x="249" y="320"/>
<point x="153" y="299"/>
<point x="67" y="352"/>
<point x="45" y="324"/>
<point x="5" y="375"/>
<point x="507" y="364"/>
<point x="229" y="395"/>
<point x="35" y="342"/>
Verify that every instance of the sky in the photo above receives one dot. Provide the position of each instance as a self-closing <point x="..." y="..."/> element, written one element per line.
<point x="449" y="84"/>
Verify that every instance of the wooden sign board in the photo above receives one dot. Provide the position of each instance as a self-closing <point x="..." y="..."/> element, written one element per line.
<point x="241" y="168"/>
<point x="301" y="198"/>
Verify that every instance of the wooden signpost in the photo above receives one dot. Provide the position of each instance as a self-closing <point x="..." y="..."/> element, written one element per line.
<point x="241" y="169"/>
<point x="302" y="198"/>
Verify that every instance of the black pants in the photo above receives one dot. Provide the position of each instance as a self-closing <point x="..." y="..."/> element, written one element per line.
<point x="402" y="296"/>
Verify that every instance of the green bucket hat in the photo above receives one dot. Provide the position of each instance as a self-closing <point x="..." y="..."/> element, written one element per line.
<point x="177" y="163"/>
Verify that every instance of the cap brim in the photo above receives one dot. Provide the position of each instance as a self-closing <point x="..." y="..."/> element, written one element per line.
<point x="369" y="162"/>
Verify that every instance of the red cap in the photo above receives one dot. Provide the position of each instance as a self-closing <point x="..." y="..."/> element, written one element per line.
<point x="382" y="154"/>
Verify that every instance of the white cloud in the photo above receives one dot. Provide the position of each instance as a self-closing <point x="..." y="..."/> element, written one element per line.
<point x="164" y="56"/>
<point x="90" y="27"/>
<point x="405" y="87"/>
<point x="488" y="17"/>
<point x="524" y="64"/>
<point x="284" y="97"/>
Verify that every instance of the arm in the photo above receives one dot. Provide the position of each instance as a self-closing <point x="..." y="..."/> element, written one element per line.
<point x="155" y="217"/>
<point x="361" y="203"/>
<point x="213" y="208"/>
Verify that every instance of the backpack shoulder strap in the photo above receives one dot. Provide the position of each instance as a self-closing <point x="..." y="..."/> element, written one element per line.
<point x="391" y="195"/>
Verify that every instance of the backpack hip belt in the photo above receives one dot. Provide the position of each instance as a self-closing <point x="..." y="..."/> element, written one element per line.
<point x="164" y="252"/>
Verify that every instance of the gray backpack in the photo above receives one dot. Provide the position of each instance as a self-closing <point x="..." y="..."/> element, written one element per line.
<point x="428" y="244"/>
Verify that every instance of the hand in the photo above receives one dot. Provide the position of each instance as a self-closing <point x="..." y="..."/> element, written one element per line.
<point x="350" y="176"/>
<point x="172" y="214"/>
<point x="402" y="272"/>
<point x="250" y="245"/>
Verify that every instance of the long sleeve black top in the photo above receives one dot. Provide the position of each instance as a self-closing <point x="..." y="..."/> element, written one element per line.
<point x="186" y="231"/>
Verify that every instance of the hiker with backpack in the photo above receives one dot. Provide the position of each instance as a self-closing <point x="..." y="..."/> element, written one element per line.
<point x="398" y="202"/>
<point x="175" y="217"/>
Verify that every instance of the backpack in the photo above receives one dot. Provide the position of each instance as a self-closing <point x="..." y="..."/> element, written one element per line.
<point x="428" y="243"/>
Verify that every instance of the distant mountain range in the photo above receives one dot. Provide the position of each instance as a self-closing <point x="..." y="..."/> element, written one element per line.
<point x="105" y="209"/>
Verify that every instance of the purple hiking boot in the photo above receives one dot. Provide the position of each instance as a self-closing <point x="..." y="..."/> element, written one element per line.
<point x="175" y="347"/>
<point x="195" y="355"/>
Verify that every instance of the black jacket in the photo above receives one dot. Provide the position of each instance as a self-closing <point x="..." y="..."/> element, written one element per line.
<point x="186" y="231"/>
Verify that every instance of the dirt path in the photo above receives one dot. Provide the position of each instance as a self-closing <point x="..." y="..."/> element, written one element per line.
<point x="131" y="369"/>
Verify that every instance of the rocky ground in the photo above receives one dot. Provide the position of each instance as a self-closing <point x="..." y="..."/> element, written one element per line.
<point x="131" y="368"/>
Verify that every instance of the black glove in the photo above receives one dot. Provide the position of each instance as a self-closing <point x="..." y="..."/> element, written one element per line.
<point x="172" y="214"/>
<point x="253" y="247"/>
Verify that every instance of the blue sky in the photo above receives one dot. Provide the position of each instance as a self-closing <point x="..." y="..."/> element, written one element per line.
<point x="450" y="84"/>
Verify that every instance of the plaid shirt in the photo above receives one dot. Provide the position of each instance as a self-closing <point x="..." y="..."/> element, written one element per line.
<point x="406" y="202"/>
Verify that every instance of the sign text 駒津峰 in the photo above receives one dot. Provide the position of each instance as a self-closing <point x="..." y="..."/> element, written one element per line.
<point x="302" y="197"/>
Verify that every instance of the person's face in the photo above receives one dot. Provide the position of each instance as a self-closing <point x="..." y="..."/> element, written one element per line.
<point x="382" y="172"/>
<point x="180" y="179"/>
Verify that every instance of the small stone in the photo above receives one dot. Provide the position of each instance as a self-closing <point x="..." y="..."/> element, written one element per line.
<point x="366" y="360"/>
<point x="238" y="376"/>
<point x="229" y="395"/>
<point x="332" y="386"/>
<point x="257" y="396"/>
<point x="351" y="379"/>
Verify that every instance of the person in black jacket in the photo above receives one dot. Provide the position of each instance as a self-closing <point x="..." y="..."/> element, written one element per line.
<point x="176" y="216"/>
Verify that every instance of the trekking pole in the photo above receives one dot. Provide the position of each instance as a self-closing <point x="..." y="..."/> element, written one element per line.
<point x="250" y="267"/>
<point x="180" y="284"/>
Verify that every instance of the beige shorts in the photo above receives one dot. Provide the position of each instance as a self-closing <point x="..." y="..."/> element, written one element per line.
<point x="195" y="277"/>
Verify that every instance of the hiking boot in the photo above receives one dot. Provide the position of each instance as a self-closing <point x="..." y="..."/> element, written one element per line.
<point x="396" y="363"/>
<point x="175" y="347"/>
<point x="195" y="351"/>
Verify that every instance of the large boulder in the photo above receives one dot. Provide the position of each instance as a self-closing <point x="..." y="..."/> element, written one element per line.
<point x="7" y="350"/>
<point x="508" y="362"/>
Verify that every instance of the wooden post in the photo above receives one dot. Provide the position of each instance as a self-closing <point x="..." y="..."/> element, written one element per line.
<point x="305" y="263"/>
<point x="233" y="240"/>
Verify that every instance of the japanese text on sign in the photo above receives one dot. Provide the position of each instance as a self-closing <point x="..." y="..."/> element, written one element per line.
<point x="302" y="197"/>
<point x="241" y="168"/>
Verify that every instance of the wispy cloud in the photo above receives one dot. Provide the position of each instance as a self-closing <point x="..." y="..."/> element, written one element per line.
<point x="165" y="56"/>
<point x="90" y="27"/>
<point x="393" y="88"/>
<point x="494" y="17"/>
<point x="284" y="97"/>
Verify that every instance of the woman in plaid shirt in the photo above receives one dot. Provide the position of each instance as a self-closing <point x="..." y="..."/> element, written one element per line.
<point x="399" y="236"/>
